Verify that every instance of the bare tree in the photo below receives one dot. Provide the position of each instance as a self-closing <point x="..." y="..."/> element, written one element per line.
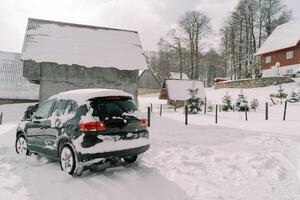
<point x="245" y="29"/>
<point x="195" y="25"/>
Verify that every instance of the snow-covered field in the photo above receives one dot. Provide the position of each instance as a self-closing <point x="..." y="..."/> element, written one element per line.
<point x="234" y="159"/>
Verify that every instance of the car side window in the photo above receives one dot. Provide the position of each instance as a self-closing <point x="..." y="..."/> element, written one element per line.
<point x="71" y="107"/>
<point x="44" y="110"/>
<point x="59" y="107"/>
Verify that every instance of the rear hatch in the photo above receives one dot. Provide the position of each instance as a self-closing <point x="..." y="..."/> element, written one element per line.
<point x="120" y="117"/>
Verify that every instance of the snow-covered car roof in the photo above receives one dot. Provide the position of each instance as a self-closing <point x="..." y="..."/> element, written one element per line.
<point x="82" y="95"/>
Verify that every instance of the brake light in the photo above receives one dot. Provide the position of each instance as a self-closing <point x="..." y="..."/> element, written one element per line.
<point x="92" y="126"/>
<point x="143" y="122"/>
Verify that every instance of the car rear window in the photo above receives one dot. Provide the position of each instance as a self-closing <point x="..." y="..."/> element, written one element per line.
<point x="112" y="107"/>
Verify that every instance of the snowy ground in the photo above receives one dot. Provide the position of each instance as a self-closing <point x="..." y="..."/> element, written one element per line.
<point x="234" y="159"/>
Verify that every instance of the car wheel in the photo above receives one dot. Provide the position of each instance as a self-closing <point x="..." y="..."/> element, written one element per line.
<point x="21" y="146"/>
<point x="67" y="160"/>
<point x="130" y="159"/>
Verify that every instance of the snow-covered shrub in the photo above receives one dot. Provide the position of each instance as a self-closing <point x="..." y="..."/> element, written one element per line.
<point x="210" y="107"/>
<point x="194" y="102"/>
<point x="241" y="103"/>
<point x="227" y="103"/>
<point x="254" y="104"/>
<point x="293" y="97"/>
<point x="280" y="94"/>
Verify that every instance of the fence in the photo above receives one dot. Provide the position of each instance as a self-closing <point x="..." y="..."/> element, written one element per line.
<point x="161" y="108"/>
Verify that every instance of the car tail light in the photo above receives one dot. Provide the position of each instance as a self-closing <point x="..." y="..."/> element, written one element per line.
<point x="92" y="126"/>
<point x="143" y="122"/>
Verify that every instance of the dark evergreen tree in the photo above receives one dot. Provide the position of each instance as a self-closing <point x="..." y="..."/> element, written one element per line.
<point x="281" y="94"/>
<point x="194" y="102"/>
<point x="227" y="103"/>
<point x="241" y="103"/>
<point x="293" y="97"/>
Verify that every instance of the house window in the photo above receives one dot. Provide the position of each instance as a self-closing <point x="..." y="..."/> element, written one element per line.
<point x="268" y="59"/>
<point x="289" y="54"/>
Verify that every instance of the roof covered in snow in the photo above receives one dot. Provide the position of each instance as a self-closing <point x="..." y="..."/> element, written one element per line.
<point x="89" y="46"/>
<point x="284" y="36"/>
<point x="179" y="89"/>
<point x="82" y="95"/>
<point x="12" y="83"/>
<point x="176" y="75"/>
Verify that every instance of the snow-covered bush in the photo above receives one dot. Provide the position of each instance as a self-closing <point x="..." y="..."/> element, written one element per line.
<point x="227" y="103"/>
<point x="241" y="103"/>
<point x="280" y="94"/>
<point x="210" y="107"/>
<point x="194" y="102"/>
<point x="293" y="97"/>
<point x="254" y="104"/>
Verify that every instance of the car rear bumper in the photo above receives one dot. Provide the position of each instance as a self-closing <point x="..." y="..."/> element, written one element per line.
<point x="87" y="157"/>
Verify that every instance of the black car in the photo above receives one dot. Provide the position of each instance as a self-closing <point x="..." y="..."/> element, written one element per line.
<point x="85" y="128"/>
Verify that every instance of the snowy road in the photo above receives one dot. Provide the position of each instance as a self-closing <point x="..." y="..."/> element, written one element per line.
<point x="200" y="161"/>
<point x="36" y="179"/>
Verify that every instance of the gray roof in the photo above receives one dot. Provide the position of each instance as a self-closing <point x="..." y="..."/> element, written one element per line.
<point x="89" y="46"/>
<point x="12" y="83"/>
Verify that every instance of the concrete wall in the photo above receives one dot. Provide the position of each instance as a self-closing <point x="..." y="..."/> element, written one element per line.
<point x="148" y="80"/>
<point x="54" y="78"/>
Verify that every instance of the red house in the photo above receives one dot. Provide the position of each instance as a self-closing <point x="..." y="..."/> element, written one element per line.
<point x="280" y="54"/>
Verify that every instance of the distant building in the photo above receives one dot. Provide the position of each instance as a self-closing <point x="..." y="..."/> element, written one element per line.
<point x="64" y="56"/>
<point x="280" y="54"/>
<point x="14" y="88"/>
<point x="176" y="75"/>
<point x="149" y="80"/>
<point x="177" y="91"/>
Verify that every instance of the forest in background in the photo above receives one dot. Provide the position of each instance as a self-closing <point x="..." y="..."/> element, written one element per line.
<point x="242" y="33"/>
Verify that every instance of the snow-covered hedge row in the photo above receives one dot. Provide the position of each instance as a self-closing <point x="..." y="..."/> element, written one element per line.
<point x="254" y="83"/>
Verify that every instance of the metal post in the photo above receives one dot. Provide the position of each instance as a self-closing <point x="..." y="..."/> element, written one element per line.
<point x="216" y="120"/>
<point x="267" y="111"/>
<point x="186" y="115"/>
<point x="160" y="110"/>
<point x="151" y="106"/>
<point x="149" y="115"/>
<point x="246" y="115"/>
<point x="1" y="117"/>
<point x="284" y="113"/>
<point x="205" y="104"/>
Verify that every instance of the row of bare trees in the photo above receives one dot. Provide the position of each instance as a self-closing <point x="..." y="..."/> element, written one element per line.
<point x="242" y="33"/>
<point x="180" y="49"/>
<point x="245" y="30"/>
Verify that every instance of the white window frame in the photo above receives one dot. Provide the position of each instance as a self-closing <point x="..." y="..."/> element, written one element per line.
<point x="268" y="59"/>
<point x="289" y="55"/>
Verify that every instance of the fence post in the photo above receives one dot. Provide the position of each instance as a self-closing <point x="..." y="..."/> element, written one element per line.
<point x="1" y="117"/>
<point x="149" y="115"/>
<point x="267" y="111"/>
<point x="186" y="114"/>
<point x="205" y="105"/>
<point x="160" y="110"/>
<point x="246" y="115"/>
<point x="216" y="119"/>
<point x="284" y="113"/>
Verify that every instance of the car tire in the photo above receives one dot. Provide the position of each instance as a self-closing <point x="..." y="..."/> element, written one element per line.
<point x="130" y="159"/>
<point x="67" y="160"/>
<point x="21" y="146"/>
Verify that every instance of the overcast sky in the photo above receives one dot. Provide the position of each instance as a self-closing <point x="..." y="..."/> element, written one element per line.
<point x="151" y="18"/>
